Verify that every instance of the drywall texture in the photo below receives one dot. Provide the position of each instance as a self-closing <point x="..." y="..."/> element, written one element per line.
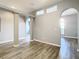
<point x="7" y="26"/>
<point x="46" y="28"/>
<point x="22" y="28"/>
<point x="70" y="29"/>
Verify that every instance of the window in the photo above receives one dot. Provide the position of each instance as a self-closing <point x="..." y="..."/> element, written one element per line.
<point x="41" y="12"/>
<point x="69" y="11"/>
<point x="52" y="9"/>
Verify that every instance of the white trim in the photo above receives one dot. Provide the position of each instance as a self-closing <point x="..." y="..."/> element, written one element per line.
<point x="47" y="43"/>
<point x="70" y="37"/>
<point x="77" y="50"/>
<point x="6" y="41"/>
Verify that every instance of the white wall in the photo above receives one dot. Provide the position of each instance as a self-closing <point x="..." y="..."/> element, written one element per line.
<point x="70" y="29"/>
<point x="7" y="26"/>
<point x="46" y="28"/>
<point x="22" y="28"/>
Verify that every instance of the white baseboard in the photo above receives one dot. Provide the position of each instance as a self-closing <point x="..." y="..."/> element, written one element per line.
<point x="6" y="41"/>
<point x="47" y="43"/>
<point x="70" y="37"/>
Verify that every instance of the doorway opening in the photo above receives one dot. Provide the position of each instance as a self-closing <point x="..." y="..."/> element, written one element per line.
<point x="28" y="29"/>
<point x="68" y="21"/>
<point x="68" y="25"/>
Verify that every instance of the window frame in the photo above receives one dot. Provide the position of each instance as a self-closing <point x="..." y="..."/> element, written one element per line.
<point x="52" y="9"/>
<point x="40" y="12"/>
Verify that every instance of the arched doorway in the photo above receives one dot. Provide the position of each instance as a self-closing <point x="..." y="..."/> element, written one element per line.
<point x="68" y="21"/>
<point x="69" y="33"/>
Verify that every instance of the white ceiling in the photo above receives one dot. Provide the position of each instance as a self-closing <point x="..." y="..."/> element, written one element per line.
<point x="26" y="6"/>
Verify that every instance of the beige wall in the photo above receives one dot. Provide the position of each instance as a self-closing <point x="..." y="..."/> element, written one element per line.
<point x="46" y="28"/>
<point x="7" y="26"/>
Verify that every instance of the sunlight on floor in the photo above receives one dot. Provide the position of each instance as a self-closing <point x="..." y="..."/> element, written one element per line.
<point x="28" y="38"/>
<point x="68" y="48"/>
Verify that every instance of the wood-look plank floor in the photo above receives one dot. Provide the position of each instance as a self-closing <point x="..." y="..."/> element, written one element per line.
<point x="33" y="50"/>
<point x="68" y="48"/>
